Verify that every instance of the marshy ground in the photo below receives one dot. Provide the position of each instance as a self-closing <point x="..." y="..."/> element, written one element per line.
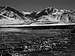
<point x="15" y="35"/>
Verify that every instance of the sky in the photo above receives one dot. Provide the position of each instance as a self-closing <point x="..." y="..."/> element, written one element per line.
<point x="28" y="5"/>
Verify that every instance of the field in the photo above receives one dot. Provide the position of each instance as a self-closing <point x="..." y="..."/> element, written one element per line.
<point x="12" y="36"/>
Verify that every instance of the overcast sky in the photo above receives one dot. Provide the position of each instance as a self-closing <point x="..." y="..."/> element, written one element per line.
<point x="38" y="4"/>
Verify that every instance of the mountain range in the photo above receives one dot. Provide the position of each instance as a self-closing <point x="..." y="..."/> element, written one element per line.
<point x="50" y="15"/>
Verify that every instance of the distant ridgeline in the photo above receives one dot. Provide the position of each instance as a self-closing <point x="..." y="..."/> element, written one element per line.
<point x="9" y="15"/>
<point x="8" y="11"/>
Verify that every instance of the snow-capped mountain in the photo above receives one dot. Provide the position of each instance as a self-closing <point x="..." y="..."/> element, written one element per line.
<point x="11" y="16"/>
<point x="50" y="15"/>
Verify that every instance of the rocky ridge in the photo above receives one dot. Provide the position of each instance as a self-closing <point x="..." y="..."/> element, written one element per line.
<point x="48" y="15"/>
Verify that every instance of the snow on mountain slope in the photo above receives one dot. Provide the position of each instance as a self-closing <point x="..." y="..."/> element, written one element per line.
<point x="10" y="16"/>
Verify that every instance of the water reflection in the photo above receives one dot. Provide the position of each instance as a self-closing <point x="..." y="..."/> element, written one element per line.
<point x="14" y="30"/>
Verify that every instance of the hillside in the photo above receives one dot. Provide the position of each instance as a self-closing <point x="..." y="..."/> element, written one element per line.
<point x="48" y="15"/>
